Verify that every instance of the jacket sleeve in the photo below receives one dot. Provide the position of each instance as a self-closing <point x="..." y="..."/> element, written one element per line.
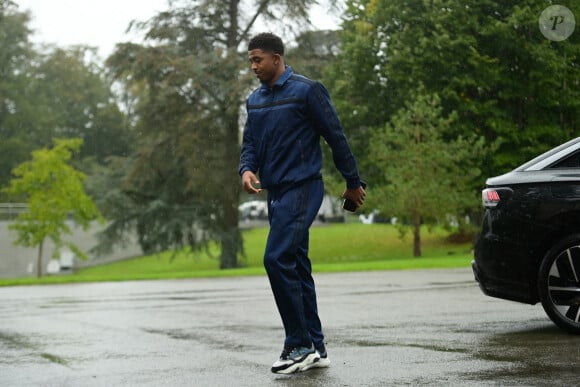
<point x="248" y="153"/>
<point x="325" y="120"/>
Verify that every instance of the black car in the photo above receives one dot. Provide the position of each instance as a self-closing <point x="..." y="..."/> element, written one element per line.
<point x="529" y="246"/>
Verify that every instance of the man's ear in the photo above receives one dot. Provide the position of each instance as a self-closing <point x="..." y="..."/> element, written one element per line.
<point x="277" y="58"/>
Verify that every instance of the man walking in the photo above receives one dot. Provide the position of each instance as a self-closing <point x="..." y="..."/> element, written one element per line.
<point x="287" y="115"/>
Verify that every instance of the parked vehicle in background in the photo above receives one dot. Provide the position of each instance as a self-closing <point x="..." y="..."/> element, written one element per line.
<point x="254" y="209"/>
<point x="376" y="217"/>
<point x="330" y="210"/>
<point x="529" y="247"/>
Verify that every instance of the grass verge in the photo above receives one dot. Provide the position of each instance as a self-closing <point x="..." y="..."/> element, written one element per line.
<point x="333" y="248"/>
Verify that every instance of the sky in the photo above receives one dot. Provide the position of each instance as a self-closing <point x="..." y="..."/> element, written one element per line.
<point x="103" y="23"/>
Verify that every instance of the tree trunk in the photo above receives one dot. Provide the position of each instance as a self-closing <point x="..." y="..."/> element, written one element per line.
<point x="417" y="234"/>
<point x="231" y="237"/>
<point x="39" y="260"/>
<point x="231" y="240"/>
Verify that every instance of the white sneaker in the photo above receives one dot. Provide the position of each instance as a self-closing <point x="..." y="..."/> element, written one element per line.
<point x="323" y="361"/>
<point x="295" y="360"/>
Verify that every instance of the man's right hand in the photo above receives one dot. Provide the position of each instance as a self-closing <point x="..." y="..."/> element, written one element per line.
<point x="250" y="183"/>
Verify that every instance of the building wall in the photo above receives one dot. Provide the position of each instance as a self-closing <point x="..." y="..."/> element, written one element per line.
<point x="16" y="261"/>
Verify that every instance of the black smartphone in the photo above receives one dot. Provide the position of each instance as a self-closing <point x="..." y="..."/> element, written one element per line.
<point x="348" y="204"/>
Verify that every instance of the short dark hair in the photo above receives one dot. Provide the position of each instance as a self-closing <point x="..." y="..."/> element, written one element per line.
<point x="267" y="41"/>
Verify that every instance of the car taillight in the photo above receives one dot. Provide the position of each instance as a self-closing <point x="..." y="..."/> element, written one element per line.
<point x="490" y="197"/>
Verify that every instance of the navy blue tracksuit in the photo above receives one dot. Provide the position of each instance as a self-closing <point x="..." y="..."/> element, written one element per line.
<point x="281" y="143"/>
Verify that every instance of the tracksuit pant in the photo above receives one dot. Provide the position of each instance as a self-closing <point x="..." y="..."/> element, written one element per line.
<point x="291" y="212"/>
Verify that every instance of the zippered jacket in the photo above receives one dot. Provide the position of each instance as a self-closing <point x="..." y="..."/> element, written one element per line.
<point x="281" y="139"/>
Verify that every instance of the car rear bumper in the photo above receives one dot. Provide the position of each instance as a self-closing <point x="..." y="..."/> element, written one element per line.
<point x="502" y="288"/>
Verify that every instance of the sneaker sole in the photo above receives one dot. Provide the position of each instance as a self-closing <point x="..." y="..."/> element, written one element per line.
<point x="304" y="365"/>
<point x="318" y="363"/>
<point x="322" y="363"/>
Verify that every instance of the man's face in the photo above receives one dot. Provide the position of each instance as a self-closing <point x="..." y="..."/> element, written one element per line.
<point x="264" y="64"/>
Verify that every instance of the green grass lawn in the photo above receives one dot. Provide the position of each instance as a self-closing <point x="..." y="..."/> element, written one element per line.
<point x="333" y="248"/>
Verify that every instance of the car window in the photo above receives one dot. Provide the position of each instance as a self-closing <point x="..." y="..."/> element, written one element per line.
<point x="572" y="161"/>
<point x="553" y="157"/>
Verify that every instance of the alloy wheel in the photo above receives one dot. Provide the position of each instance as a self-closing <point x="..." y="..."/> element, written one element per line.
<point x="559" y="285"/>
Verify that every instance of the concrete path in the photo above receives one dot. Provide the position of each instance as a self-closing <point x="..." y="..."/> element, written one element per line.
<point x="428" y="327"/>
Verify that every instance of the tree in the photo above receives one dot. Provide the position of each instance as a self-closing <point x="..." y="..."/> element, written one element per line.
<point x="425" y="177"/>
<point x="16" y="56"/>
<point x="487" y="60"/>
<point x="49" y="92"/>
<point x="312" y="52"/>
<point x="54" y="192"/>
<point x="74" y="100"/>
<point x="187" y="90"/>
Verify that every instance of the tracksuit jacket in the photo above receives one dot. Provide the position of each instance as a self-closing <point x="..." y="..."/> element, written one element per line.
<point x="281" y="139"/>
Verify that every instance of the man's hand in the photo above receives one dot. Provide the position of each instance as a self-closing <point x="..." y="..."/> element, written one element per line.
<point x="250" y="182"/>
<point x="357" y="195"/>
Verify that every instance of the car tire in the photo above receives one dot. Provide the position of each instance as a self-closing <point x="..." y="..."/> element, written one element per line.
<point x="559" y="283"/>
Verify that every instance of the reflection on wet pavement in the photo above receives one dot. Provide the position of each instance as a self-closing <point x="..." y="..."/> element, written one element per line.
<point x="382" y="328"/>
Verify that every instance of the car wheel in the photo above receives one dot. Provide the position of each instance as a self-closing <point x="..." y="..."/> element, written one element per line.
<point x="559" y="284"/>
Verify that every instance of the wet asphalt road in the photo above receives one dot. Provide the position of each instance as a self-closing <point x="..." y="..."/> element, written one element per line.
<point x="431" y="327"/>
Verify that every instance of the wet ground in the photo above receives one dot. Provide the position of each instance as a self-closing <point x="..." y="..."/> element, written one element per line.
<point x="431" y="327"/>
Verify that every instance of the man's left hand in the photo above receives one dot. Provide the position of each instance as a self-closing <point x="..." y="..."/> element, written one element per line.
<point x="357" y="195"/>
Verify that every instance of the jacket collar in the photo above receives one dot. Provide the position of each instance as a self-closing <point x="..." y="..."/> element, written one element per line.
<point x="288" y="72"/>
